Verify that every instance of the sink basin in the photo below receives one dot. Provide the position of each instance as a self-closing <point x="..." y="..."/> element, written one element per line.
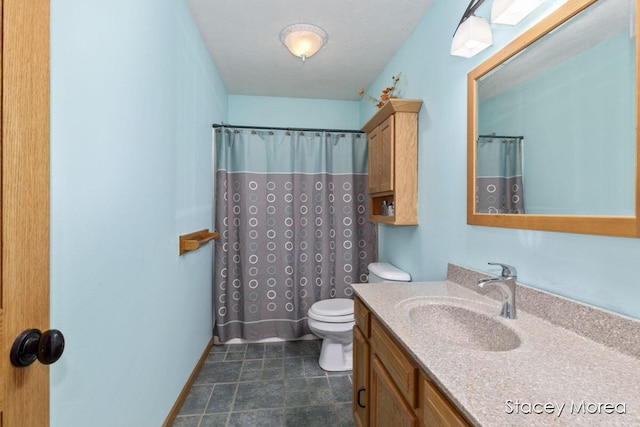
<point x="463" y="327"/>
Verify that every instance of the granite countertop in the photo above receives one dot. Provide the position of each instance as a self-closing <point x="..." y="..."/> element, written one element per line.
<point x="554" y="377"/>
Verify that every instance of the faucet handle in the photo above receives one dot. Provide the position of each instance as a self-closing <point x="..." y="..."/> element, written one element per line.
<point x="507" y="270"/>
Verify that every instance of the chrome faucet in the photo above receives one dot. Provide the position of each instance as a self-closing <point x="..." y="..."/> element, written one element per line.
<point x="507" y="284"/>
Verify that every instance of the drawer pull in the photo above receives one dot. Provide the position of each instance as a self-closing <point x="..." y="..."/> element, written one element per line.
<point x="361" y="389"/>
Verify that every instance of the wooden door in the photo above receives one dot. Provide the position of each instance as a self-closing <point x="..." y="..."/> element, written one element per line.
<point x="374" y="161"/>
<point x="388" y="407"/>
<point x="386" y="151"/>
<point x="381" y="157"/>
<point x="24" y="204"/>
<point x="361" y="357"/>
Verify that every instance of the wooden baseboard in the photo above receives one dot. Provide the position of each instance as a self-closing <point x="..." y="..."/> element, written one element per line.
<point x="187" y="387"/>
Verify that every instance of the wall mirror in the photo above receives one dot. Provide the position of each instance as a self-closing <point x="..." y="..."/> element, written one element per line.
<point x="552" y="118"/>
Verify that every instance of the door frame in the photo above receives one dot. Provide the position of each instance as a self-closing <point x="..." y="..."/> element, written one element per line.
<point x="25" y="205"/>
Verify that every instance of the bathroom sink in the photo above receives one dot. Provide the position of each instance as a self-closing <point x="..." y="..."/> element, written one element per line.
<point x="462" y="326"/>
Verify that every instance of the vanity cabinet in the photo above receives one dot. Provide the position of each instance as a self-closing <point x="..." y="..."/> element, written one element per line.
<point x="393" y="161"/>
<point x="389" y="388"/>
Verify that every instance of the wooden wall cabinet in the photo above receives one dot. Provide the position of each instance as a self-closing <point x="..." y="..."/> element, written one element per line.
<point x="393" y="161"/>
<point x="389" y="389"/>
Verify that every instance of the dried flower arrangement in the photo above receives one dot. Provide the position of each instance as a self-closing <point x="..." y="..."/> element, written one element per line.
<point x="387" y="93"/>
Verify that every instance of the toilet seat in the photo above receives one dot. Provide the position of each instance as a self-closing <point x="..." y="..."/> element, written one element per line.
<point x="335" y="310"/>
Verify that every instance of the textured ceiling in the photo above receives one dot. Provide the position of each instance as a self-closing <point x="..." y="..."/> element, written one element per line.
<point x="243" y="37"/>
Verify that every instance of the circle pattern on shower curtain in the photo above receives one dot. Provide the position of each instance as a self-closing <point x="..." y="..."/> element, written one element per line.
<point x="293" y="238"/>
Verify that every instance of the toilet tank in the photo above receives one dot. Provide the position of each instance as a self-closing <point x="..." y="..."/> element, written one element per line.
<point x="385" y="272"/>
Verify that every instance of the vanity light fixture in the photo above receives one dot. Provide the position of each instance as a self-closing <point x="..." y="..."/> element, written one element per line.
<point x="510" y="12"/>
<point x="473" y="33"/>
<point x="303" y="40"/>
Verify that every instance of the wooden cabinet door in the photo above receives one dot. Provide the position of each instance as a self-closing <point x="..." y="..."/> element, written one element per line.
<point x="381" y="157"/>
<point x="374" y="159"/>
<point x="385" y="154"/>
<point x="361" y="357"/>
<point x="388" y="408"/>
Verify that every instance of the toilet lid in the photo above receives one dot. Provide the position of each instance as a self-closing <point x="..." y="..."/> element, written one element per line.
<point x="333" y="310"/>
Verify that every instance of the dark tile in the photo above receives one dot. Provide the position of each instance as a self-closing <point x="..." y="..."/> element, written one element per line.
<point x="293" y="384"/>
<point x="321" y="396"/>
<point x="342" y="388"/>
<point x="296" y="398"/>
<point x="311" y="416"/>
<point x="219" y="348"/>
<point x="345" y="415"/>
<point x="293" y="367"/>
<point x="312" y="367"/>
<point x="273" y="363"/>
<point x="318" y="383"/>
<point x="301" y="348"/>
<point x="242" y="419"/>
<point x="272" y="374"/>
<point x="221" y="398"/>
<point x="196" y="400"/>
<point x="237" y="348"/>
<point x="273" y="349"/>
<point x="254" y="351"/>
<point x="214" y="420"/>
<point x="270" y="418"/>
<point x="251" y="375"/>
<point x="215" y="357"/>
<point x="219" y="372"/>
<point x="234" y="356"/>
<point x="259" y="395"/>
<point x="188" y="421"/>
<point x="252" y="365"/>
<point x="338" y="373"/>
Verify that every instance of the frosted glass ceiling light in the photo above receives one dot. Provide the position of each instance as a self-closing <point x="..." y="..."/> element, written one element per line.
<point x="471" y="37"/>
<point x="303" y="40"/>
<point x="473" y="33"/>
<point x="510" y="12"/>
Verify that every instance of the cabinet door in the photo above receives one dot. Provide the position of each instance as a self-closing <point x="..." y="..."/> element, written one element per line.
<point x="361" y="357"/>
<point x="386" y="163"/>
<point x="388" y="407"/>
<point x="437" y="410"/>
<point x="381" y="157"/>
<point x="374" y="160"/>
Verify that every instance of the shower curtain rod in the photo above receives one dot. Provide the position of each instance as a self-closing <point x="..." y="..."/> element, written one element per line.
<point x="216" y="126"/>
<point x="500" y="136"/>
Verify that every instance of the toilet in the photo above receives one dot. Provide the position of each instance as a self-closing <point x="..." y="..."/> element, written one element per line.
<point x="333" y="320"/>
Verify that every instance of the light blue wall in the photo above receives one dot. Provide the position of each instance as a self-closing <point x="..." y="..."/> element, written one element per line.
<point x="602" y="271"/>
<point x="133" y="96"/>
<point x="293" y="112"/>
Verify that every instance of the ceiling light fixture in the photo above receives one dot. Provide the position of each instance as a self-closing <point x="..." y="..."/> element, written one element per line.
<point x="303" y="40"/>
<point x="473" y="33"/>
<point x="510" y="12"/>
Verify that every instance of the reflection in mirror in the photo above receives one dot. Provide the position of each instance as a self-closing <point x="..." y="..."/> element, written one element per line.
<point x="572" y="95"/>
<point x="552" y="126"/>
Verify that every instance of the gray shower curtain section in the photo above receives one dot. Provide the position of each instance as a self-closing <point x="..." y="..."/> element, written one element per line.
<point x="292" y="212"/>
<point x="499" y="175"/>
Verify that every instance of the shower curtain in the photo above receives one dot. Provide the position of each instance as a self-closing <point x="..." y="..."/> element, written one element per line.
<point x="292" y="212"/>
<point x="499" y="175"/>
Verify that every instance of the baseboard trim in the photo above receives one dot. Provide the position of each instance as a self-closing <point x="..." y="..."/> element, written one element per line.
<point x="185" y="390"/>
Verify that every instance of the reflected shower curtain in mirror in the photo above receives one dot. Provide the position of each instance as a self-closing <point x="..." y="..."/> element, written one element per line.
<point x="499" y="173"/>
<point x="292" y="212"/>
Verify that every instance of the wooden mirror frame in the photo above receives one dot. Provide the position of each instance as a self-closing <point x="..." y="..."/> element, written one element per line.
<point x="627" y="226"/>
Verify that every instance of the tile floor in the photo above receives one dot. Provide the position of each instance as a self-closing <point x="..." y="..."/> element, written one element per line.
<point x="267" y="385"/>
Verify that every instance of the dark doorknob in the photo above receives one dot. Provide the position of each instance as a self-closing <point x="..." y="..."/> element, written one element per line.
<point x="32" y="344"/>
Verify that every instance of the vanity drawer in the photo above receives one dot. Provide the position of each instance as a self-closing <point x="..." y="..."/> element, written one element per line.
<point x="437" y="410"/>
<point x="362" y="316"/>
<point x="399" y="366"/>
